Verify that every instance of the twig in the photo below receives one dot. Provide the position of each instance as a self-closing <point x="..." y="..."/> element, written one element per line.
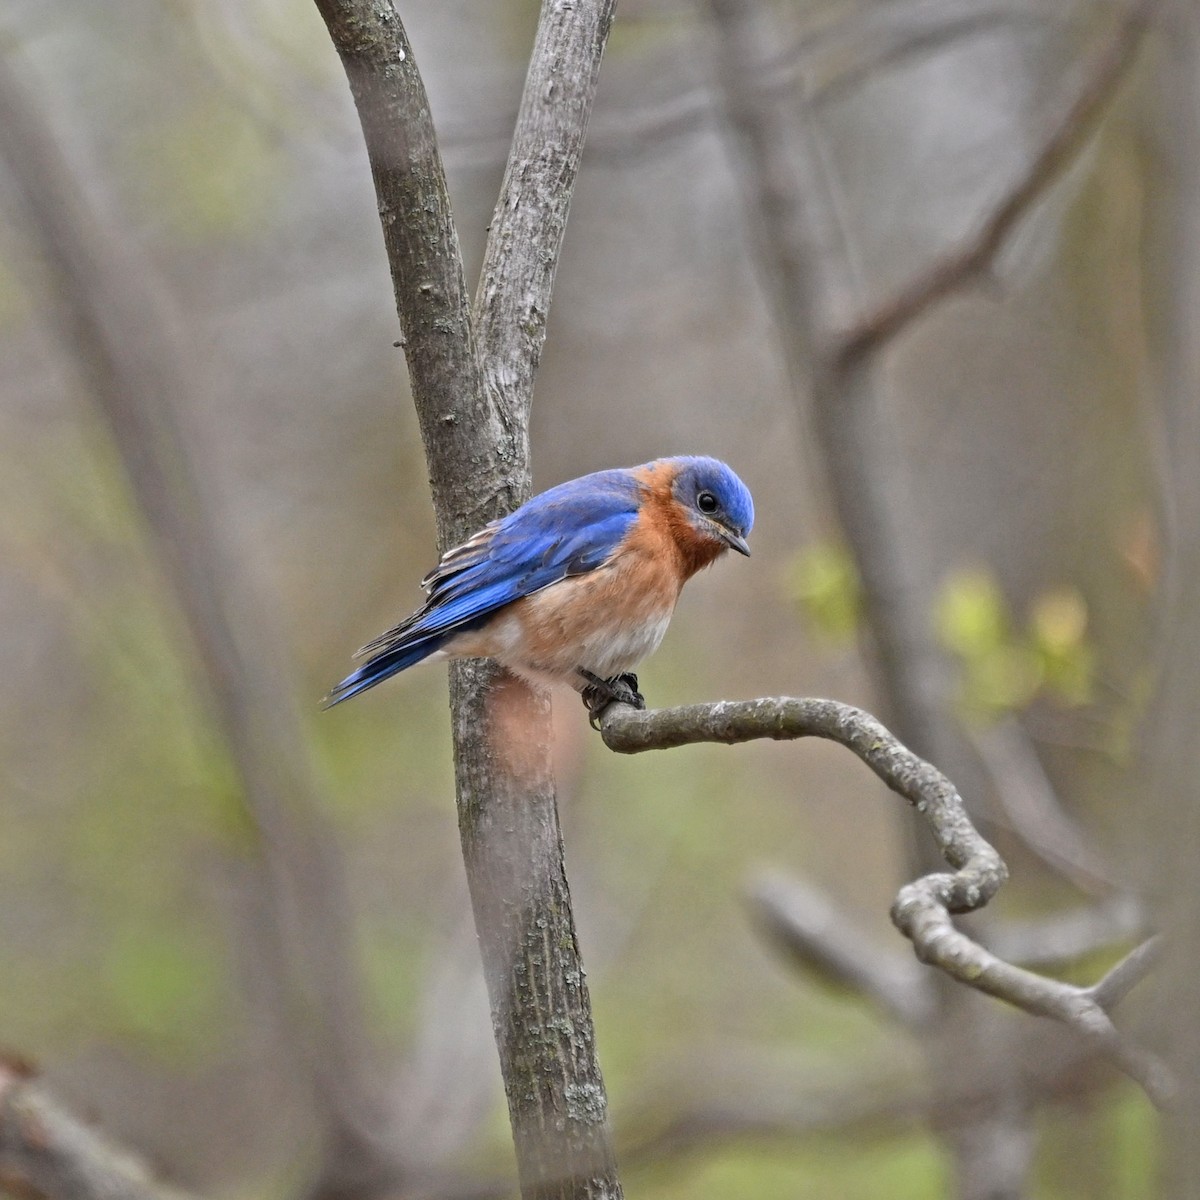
<point x="1129" y="972"/>
<point x="1034" y="810"/>
<point x="44" y="1151"/>
<point x="811" y="929"/>
<point x="1060" y="147"/>
<point x="922" y="909"/>
<point x="824" y="67"/>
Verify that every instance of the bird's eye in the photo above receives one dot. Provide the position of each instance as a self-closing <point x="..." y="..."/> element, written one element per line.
<point x="706" y="502"/>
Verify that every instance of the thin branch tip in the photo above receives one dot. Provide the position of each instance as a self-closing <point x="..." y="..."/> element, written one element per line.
<point x="973" y="261"/>
<point x="1129" y="972"/>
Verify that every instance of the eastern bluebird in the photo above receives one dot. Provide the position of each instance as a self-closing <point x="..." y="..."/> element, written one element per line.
<point x="577" y="585"/>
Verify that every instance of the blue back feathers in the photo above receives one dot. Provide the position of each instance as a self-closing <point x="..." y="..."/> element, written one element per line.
<point x="569" y="530"/>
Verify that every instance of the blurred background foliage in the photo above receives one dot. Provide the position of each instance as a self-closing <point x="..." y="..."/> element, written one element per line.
<point x="221" y="139"/>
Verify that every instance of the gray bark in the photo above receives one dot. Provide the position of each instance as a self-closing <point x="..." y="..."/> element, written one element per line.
<point x="472" y="383"/>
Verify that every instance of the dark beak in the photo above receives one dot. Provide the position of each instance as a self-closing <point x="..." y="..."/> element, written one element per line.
<point x="734" y="542"/>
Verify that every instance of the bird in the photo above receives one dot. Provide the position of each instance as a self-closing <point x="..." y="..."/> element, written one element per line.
<point x="577" y="585"/>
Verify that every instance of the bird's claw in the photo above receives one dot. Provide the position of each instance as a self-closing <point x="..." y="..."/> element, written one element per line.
<point x="600" y="693"/>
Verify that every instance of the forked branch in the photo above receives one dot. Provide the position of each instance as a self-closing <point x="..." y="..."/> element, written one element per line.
<point x="471" y="375"/>
<point x="923" y="908"/>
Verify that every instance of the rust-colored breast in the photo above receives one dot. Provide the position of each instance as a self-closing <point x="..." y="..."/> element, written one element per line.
<point x="664" y="528"/>
<point x="608" y="619"/>
<point x="586" y="619"/>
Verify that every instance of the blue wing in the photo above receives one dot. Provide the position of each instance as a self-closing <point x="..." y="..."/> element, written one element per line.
<point x="569" y="530"/>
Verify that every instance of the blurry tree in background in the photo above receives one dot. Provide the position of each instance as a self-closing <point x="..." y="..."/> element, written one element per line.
<point x="233" y="929"/>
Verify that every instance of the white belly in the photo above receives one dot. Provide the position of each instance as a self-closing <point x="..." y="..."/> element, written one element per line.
<point x="613" y="652"/>
<point x="546" y="655"/>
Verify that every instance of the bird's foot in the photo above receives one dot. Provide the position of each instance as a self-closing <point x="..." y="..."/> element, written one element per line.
<point x="600" y="693"/>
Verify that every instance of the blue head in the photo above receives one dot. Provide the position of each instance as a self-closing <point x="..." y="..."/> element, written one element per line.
<point x="717" y="502"/>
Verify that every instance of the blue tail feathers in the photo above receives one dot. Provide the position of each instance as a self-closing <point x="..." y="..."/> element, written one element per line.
<point x="380" y="667"/>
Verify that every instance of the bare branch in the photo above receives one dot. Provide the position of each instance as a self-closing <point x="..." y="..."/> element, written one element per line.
<point x="526" y="232"/>
<point x="922" y="909"/>
<point x="473" y="398"/>
<point x="1031" y="805"/>
<point x="823" y="67"/>
<point x="815" y="932"/>
<point x="44" y="1151"/>
<point x="1060" y="147"/>
<point x="921" y="912"/>
<point x="459" y="421"/>
<point x="122" y="325"/>
<point x="1129" y="972"/>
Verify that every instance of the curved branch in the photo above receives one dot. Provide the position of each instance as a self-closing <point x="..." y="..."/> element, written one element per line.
<point x="459" y="424"/>
<point x="1059" y="149"/>
<point x="923" y="908"/>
